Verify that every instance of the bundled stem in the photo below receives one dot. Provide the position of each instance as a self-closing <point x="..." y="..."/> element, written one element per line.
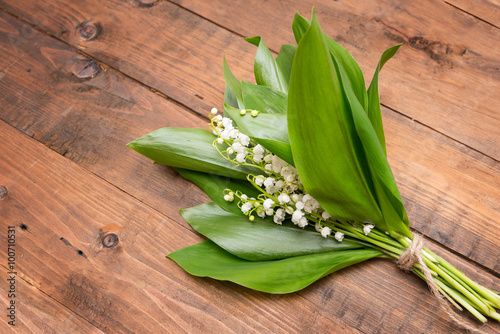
<point x="447" y="280"/>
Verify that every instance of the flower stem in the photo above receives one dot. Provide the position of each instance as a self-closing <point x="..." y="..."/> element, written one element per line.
<point x="453" y="284"/>
<point x="464" y="291"/>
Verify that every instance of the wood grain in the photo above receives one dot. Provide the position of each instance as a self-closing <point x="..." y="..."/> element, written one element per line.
<point x="132" y="288"/>
<point x="38" y="313"/>
<point x="450" y="191"/>
<point x="185" y="63"/>
<point x="87" y="120"/>
<point x="485" y="10"/>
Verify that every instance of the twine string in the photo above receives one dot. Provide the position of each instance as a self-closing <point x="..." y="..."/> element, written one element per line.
<point x="413" y="255"/>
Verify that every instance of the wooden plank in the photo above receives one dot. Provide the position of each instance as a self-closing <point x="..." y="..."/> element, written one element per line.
<point x="185" y="63"/>
<point x="445" y="76"/>
<point x="484" y="10"/>
<point x="451" y="192"/>
<point x="38" y="313"/>
<point x="133" y="288"/>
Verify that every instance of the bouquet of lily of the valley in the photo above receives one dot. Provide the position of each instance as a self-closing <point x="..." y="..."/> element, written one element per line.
<point x="297" y="171"/>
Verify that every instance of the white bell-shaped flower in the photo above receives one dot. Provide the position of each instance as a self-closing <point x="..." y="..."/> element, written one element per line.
<point x="339" y="236"/>
<point x="326" y="231"/>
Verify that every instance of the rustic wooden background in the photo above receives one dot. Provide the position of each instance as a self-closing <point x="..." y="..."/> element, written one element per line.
<point x="80" y="79"/>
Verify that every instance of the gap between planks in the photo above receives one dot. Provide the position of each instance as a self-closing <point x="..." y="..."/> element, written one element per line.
<point x="100" y="177"/>
<point x="439" y="132"/>
<point x="469" y="13"/>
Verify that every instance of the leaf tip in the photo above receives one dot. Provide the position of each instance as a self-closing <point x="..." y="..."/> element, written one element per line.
<point x="313" y="14"/>
<point x="297" y="17"/>
<point x="314" y="20"/>
<point x="255" y="40"/>
<point x="133" y="145"/>
<point x="396" y="47"/>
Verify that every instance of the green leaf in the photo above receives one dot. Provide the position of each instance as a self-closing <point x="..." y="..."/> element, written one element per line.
<point x="285" y="60"/>
<point x="261" y="239"/>
<point x="255" y="40"/>
<point x="320" y="87"/>
<point x="266" y="70"/>
<point x="206" y="259"/>
<point x="343" y="58"/>
<point x="233" y="83"/>
<point x="300" y="26"/>
<point x="269" y="130"/>
<point x="230" y="97"/>
<point x="214" y="185"/>
<point x="264" y="99"/>
<point x="386" y="192"/>
<point x="374" y="112"/>
<point x="187" y="148"/>
<point x="323" y="138"/>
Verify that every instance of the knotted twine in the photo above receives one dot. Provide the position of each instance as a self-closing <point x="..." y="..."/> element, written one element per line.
<point x="413" y="255"/>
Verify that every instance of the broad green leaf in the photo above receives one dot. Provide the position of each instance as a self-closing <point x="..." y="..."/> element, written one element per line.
<point x="266" y="70"/>
<point x="264" y="99"/>
<point x="187" y="148"/>
<point x="341" y="55"/>
<point x="261" y="239"/>
<point x="285" y="60"/>
<point x="206" y="259"/>
<point x="386" y="192"/>
<point x="374" y="113"/>
<point x="214" y="185"/>
<point x="269" y="130"/>
<point x="324" y="142"/>
<point x="233" y="83"/>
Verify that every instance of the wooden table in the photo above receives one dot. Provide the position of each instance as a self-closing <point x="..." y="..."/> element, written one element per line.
<point x="80" y="79"/>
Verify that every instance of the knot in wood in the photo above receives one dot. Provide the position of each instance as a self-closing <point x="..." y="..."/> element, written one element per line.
<point x="146" y="3"/>
<point x="85" y="68"/>
<point x="418" y="42"/>
<point x="109" y="240"/>
<point x="3" y="192"/>
<point x="88" y="30"/>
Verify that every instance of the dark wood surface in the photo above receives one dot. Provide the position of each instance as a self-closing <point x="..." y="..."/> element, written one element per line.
<point x="80" y="79"/>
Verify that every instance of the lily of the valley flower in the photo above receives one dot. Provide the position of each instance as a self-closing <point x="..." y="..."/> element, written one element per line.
<point x="367" y="228"/>
<point x="326" y="231"/>
<point x="339" y="236"/>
